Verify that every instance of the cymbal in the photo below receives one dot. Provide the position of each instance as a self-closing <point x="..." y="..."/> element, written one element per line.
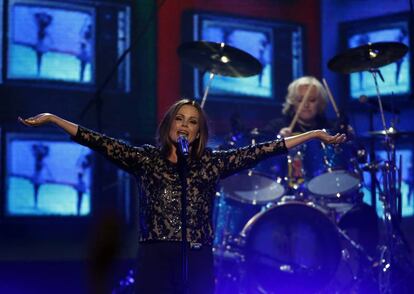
<point x="367" y="57"/>
<point x="392" y="132"/>
<point x="219" y="58"/>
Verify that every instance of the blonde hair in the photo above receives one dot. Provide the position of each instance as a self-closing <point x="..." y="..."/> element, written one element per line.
<point x="293" y="90"/>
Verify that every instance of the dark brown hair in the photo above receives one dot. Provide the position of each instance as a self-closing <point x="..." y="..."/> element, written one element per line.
<point x="163" y="137"/>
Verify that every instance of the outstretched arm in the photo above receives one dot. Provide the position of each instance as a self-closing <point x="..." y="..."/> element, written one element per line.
<point x="45" y="118"/>
<point x="126" y="156"/>
<point x="322" y="135"/>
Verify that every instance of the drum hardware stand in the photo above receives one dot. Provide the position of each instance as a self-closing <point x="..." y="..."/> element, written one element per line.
<point x="372" y="166"/>
<point x="210" y="79"/>
<point x="389" y="190"/>
<point x="361" y="250"/>
<point x="391" y="199"/>
<point x="388" y="195"/>
<point x="369" y="58"/>
<point x="370" y="262"/>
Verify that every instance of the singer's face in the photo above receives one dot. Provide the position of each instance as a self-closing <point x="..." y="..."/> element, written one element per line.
<point x="185" y="122"/>
<point x="310" y="108"/>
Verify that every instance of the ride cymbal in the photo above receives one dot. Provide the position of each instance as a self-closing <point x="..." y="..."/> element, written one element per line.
<point x="219" y="58"/>
<point x="367" y="57"/>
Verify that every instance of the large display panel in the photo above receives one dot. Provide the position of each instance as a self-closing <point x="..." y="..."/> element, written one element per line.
<point x="46" y="175"/>
<point x="51" y="41"/>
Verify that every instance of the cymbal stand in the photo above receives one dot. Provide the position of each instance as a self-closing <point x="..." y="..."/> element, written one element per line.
<point x="365" y="260"/>
<point x="375" y="72"/>
<point x="389" y="197"/>
<point x="211" y="77"/>
<point x="372" y="166"/>
<point x="359" y="248"/>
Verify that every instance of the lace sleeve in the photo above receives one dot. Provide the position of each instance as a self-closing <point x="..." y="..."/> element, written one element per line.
<point x="234" y="160"/>
<point x="125" y="156"/>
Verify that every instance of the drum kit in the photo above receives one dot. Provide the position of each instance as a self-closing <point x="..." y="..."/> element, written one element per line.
<point x="278" y="231"/>
<point x="296" y="233"/>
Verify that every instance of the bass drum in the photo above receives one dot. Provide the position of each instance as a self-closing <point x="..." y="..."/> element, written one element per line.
<point x="292" y="247"/>
<point x="361" y="224"/>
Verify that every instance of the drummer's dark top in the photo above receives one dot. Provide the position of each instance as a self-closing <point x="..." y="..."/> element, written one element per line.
<point x="274" y="126"/>
<point x="160" y="185"/>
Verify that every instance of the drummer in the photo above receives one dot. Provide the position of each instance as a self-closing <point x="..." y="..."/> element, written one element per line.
<point x="300" y="116"/>
<point x="312" y="115"/>
<point x="360" y="221"/>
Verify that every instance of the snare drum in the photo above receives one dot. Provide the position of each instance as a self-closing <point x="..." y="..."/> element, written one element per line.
<point x="292" y="247"/>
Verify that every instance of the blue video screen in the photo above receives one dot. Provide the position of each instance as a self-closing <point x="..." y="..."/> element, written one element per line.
<point x="407" y="183"/>
<point x="396" y="75"/>
<point x="51" y="42"/>
<point x="47" y="176"/>
<point x="234" y="32"/>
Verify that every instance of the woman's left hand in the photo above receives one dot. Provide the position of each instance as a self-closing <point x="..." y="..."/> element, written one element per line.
<point x="329" y="139"/>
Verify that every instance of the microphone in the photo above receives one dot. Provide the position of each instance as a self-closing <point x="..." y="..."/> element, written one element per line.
<point x="182" y="143"/>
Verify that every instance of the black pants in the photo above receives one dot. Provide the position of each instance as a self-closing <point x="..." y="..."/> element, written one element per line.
<point x="159" y="269"/>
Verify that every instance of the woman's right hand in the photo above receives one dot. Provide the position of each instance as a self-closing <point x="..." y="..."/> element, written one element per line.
<point x="38" y="120"/>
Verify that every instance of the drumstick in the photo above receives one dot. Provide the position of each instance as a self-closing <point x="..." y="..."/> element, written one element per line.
<point x="302" y="103"/>
<point x="335" y="107"/>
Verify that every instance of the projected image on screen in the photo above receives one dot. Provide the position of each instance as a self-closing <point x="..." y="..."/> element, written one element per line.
<point x="46" y="177"/>
<point x="396" y="75"/>
<point x="407" y="185"/>
<point x="259" y="45"/>
<point x="52" y="43"/>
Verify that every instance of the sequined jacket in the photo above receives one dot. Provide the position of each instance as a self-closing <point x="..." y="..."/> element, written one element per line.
<point x="160" y="185"/>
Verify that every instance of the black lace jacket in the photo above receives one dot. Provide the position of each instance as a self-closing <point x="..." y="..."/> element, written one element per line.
<point x="160" y="185"/>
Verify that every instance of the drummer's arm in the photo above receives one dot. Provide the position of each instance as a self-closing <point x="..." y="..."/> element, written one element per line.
<point x="285" y="132"/>
<point x="321" y="135"/>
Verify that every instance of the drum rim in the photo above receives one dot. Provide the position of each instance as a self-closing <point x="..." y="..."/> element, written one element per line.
<point x="335" y="246"/>
<point x="244" y="201"/>
<point x="247" y="227"/>
<point x="250" y="170"/>
<point x="350" y="190"/>
<point x="254" y="203"/>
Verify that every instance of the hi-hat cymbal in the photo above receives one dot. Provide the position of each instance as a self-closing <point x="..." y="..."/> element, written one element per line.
<point x="392" y="132"/>
<point x="262" y="134"/>
<point x="219" y="58"/>
<point x="367" y="57"/>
